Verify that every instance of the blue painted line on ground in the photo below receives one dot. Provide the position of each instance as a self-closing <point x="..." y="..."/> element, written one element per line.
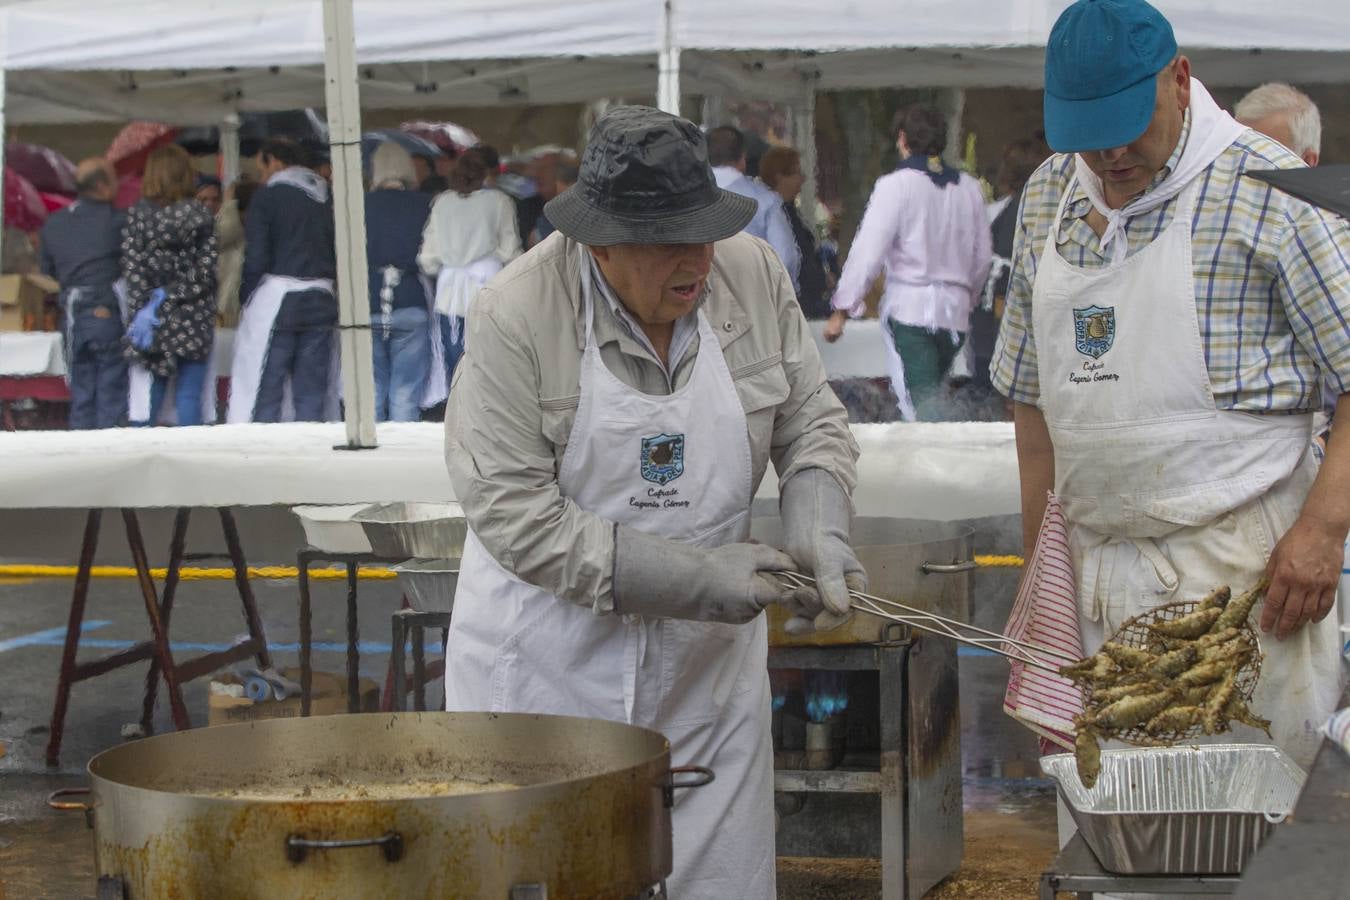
<point x="49" y="637"/>
<point x="55" y="637"/>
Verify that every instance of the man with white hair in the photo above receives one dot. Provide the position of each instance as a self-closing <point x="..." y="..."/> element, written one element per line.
<point x="1285" y="114"/>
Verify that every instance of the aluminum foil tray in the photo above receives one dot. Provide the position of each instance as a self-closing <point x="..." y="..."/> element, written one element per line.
<point x="331" y="528"/>
<point x="415" y="530"/>
<point x="1195" y="810"/>
<point x="429" y="583"/>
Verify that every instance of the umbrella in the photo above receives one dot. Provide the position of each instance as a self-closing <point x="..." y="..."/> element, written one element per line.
<point x="24" y="208"/>
<point x="43" y="167"/>
<point x="451" y="138"/>
<point x="416" y="146"/>
<point x="304" y="126"/>
<point x="1324" y="186"/>
<point x="134" y="143"/>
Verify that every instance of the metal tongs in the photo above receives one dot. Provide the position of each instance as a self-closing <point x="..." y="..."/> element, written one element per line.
<point x="1030" y="654"/>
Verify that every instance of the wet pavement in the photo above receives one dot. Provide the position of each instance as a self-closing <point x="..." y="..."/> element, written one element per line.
<point x="1010" y="818"/>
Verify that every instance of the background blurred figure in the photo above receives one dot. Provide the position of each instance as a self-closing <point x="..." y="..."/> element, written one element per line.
<point x="169" y="256"/>
<point x="1020" y="159"/>
<point x="780" y="168"/>
<point x="470" y="235"/>
<point x="230" y="241"/>
<point x="1286" y="114"/>
<point x="565" y="176"/>
<point x="396" y="214"/>
<point x="431" y="174"/>
<point x="82" y="250"/>
<point x="286" y="331"/>
<point x="726" y="155"/>
<point x="209" y="193"/>
<point x="925" y="225"/>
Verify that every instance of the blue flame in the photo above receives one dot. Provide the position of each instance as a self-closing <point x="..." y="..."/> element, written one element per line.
<point x="826" y="695"/>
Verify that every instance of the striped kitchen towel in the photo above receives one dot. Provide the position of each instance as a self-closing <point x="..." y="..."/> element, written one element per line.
<point x="1045" y="613"/>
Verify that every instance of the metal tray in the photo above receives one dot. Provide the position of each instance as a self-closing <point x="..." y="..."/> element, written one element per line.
<point x="415" y="530"/>
<point x="1195" y="810"/>
<point x="332" y="529"/>
<point x="429" y="583"/>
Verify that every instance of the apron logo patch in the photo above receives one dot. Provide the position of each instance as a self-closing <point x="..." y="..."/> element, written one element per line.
<point x="662" y="458"/>
<point x="1094" y="330"/>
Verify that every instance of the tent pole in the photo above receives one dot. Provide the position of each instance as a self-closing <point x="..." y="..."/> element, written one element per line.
<point x="668" y="69"/>
<point x="229" y="149"/>
<point x="3" y="141"/>
<point x="344" y="131"/>
<point x="804" y="136"/>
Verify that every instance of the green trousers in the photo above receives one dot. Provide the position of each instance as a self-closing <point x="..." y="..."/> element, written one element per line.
<point x="927" y="355"/>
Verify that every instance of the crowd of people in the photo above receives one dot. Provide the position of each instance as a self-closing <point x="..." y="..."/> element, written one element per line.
<point x="144" y="289"/>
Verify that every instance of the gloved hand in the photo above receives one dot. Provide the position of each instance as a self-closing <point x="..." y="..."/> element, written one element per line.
<point x="654" y="576"/>
<point x="141" y="332"/>
<point x="817" y="516"/>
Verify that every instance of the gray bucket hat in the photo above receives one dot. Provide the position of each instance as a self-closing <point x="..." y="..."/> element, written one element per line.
<point x="645" y="179"/>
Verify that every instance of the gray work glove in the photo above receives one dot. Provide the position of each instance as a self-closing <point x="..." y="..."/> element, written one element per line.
<point x="817" y="516"/>
<point x="655" y="576"/>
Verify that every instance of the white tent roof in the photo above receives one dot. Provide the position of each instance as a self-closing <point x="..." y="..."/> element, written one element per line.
<point x="194" y="60"/>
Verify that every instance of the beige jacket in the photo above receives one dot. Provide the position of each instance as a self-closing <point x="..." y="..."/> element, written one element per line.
<point x="230" y="265"/>
<point x="516" y="390"/>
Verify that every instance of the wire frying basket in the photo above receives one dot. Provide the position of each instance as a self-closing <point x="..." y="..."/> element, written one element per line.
<point x="1134" y="632"/>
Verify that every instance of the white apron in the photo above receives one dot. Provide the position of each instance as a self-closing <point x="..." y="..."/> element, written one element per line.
<point x="1166" y="496"/>
<point x="253" y="338"/>
<point x="516" y="648"/>
<point x="457" y="286"/>
<point x="437" y="388"/>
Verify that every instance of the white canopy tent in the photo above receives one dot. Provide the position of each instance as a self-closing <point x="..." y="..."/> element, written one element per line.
<point x="204" y="61"/>
<point x="194" y="61"/>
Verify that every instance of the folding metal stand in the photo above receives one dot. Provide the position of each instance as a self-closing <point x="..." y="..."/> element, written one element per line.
<point x="411" y="621"/>
<point x="1076" y="869"/>
<point x="353" y="563"/>
<point x="157" y="649"/>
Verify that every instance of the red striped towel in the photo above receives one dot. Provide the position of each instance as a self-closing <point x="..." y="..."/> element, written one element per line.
<point x="1046" y="614"/>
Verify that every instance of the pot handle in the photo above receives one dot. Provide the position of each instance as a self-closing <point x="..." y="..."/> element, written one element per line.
<point x="959" y="568"/>
<point x="391" y="842"/>
<point x="705" y="777"/>
<point x="54" y="801"/>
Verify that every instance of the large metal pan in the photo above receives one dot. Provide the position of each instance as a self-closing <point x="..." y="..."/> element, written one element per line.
<point x="922" y="564"/>
<point x="590" y="819"/>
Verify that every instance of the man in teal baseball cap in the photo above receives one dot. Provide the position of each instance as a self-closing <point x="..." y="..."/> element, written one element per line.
<point x="1169" y="327"/>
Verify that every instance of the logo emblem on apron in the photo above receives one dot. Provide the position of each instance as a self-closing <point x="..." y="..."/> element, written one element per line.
<point x="1094" y="330"/>
<point x="663" y="458"/>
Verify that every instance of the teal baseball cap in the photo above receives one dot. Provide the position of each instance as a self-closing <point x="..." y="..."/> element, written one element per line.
<point x="1100" y="73"/>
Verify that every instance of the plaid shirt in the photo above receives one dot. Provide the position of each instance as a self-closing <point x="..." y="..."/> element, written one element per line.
<point x="1272" y="279"/>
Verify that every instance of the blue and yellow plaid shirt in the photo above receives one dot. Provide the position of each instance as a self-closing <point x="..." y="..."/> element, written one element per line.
<point x="1272" y="279"/>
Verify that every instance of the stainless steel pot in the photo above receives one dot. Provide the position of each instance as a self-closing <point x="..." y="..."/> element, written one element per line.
<point x="590" y="819"/>
<point x="927" y="565"/>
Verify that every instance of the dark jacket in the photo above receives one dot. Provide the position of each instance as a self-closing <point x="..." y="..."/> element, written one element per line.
<point x="394" y="223"/>
<point x="82" y="246"/>
<point x="811" y="276"/>
<point x="172" y="247"/>
<point x="288" y="233"/>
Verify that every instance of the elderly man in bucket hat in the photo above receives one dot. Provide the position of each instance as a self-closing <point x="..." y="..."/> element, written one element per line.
<point x="627" y="382"/>
<point x="1170" y="322"/>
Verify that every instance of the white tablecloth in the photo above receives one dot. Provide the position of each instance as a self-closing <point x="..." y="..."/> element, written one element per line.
<point x="27" y="354"/>
<point x="30" y="354"/>
<point x="919" y="470"/>
<point x="858" y="354"/>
